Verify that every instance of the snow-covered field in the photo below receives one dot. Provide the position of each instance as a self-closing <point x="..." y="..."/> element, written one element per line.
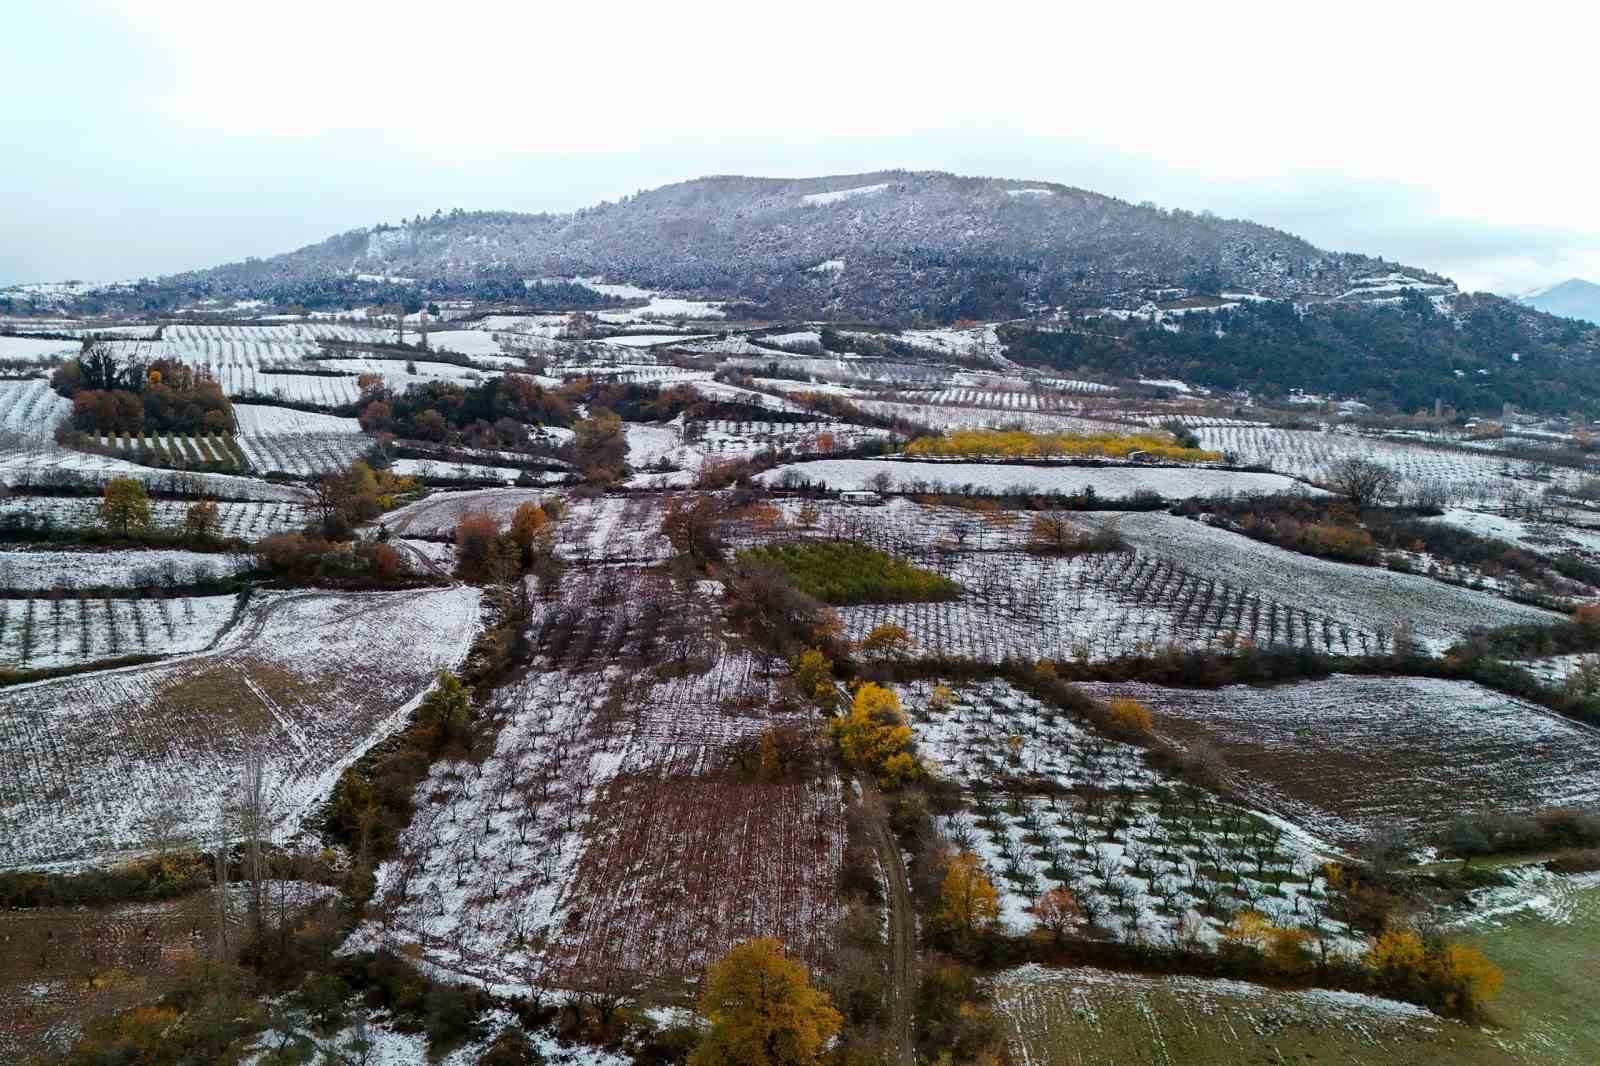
<point x="253" y="418"/>
<point x="1133" y="863"/>
<point x="435" y="469"/>
<point x="1558" y="668"/>
<point x="1463" y="477"/>
<point x="1546" y="537"/>
<point x="30" y="408"/>
<point x="88" y="764"/>
<point x="737" y="353"/>
<point x="593" y="528"/>
<point x="251" y="360"/>
<point x="400" y="375"/>
<point x="666" y="307"/>
<point x="1182" y="588"/>
<point x="381" y="1043"/>
<point x="597" y="834"/>
<point x="249" y="521"/>
<point x="1089" y="1017"/>
<point x="471" y="342"/>
<point x="436" y="515"/>
<point x="1379" y="599"/>
<point x="316" y="389"/>
<point x="718" y="390"/>
<point x="35" y="349"/>
<point x="41" y="571"/>
<point x="945" y="417"/>
<point x="650" y="446"/>
<point x="1348" y="756"/>
<point x="1094" y="607"/>
<point x="653" y="340"/>
<point x="29" y="455"/>
<point x="35" y="634"/>
<point x="1000" y="398"/>
<point x="284" y="440"/>
<point x="526" y="325"/>
<point x="802" y="337"/>
<point x="1112" y="482"/>
<point x="821" y="199"/>
<point x="303" y="454"/>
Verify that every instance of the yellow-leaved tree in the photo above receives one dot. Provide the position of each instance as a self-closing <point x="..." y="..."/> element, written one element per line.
<point x="812" y="674"/>
<point x="886" y="642"/>
<point x="762" y="1010"/>
<point x="875" y="736"/>
<point x="968" y="902"/>
<point x="1399" y="960"/>
<point x="125" y="507"/>
<point x="1466" y="978"/>
<point x="528" y="524"/>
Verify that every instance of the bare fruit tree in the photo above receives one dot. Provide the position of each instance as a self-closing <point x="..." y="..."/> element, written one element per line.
<point x="1363" y="482"/>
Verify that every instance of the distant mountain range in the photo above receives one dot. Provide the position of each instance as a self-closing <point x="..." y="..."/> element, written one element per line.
<point x="1117" y="288"/>
<point x="1573" y="298"/>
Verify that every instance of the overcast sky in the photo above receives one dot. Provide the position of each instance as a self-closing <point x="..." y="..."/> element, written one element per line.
<point x="144" y="138"/>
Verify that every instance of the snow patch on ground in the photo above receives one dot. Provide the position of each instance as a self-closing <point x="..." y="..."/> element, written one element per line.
<point x="819" y="199"/>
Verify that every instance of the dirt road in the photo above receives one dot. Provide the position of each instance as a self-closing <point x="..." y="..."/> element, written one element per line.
<point x="902" y="922"/>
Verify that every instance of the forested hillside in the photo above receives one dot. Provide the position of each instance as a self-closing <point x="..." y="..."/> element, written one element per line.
<point x="1477" y="354"/>
<point x="894" y="245"/>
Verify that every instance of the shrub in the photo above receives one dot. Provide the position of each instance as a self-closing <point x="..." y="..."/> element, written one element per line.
<point x="1130" y="718"/>
<point x="156" y="878"/>
<point x="477" y="537"/>
<point x="295" y="555"/>
<point x="1464" y="978"/>
<point x="1332" y="541"/>
<point x="1058" y="912"/>
<point x="200" y="520"/>
<point x="952" y="1015"/>
<point x="1495" y="832"/>
<point x="692" y="530"/>
<point x="1054" y="534"/>
<point x="512" y="1048"/>
<point x="761" y="599"/>
<point x="112" y="396"/>
<point x="1451" y="978"/>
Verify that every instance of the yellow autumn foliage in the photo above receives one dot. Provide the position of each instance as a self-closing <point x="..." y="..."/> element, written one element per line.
<point x="968" y="901"/>
<point x="875" y="736"/>
<point x="1130" y="718"/>
<point x="763" y="1010"/>
<point x="1467" y="977"/>
<point x="1018" y="443"/>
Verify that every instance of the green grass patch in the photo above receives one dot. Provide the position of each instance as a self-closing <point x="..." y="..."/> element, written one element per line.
<point x="1552" y="964"/>
<point x="844" y="573"/>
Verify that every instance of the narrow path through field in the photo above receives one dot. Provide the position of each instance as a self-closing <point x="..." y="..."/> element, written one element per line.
<point x="902" y="921"/>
